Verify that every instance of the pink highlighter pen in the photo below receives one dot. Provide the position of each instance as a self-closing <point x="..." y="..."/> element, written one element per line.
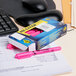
<point x="31" y="53"/>
<point x="30" y="31"/>
<point x="33" y="32"/>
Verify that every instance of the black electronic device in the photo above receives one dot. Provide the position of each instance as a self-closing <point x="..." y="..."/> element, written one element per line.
<point x="28" y="19"/>
<point x="6" y="24"/>
<point x="24" y="16"/>
<point x="35" y="5"/>
<point x="15" y="8"/>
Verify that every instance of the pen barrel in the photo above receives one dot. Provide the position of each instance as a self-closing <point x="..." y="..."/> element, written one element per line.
<point x="54" y="49"/>
<point x="30" y="54"/>
<point x="36" y="33"/>
<point x="30" y="31"/>
<point x="24" y="55"/>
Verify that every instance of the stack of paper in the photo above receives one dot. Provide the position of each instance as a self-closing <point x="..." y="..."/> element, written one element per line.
<point x="40" y="65"/>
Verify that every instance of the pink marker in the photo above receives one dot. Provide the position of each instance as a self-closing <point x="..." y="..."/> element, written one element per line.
<point x="11" y="47"/>
<point x="30" y="31"/>
<point x="31" y="53"/>
<point x="36" y="33"/>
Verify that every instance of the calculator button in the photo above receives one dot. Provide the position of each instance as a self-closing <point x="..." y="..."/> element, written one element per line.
<point x="1" y="30"/>
<point x="0" y="27"/>
<point x="6" y="18"/>
<point x="7" y="28"/>
<point x="13" y="28"/>
<point x="1" y="20"/>
<point x="5" y="25"/>
<point x="11" y="25"/>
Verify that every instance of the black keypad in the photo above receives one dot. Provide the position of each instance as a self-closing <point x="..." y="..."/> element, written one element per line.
<point x="6" y="24"/>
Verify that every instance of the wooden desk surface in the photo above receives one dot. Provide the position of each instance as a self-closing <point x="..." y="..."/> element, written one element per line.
<point x="68" y="44"/>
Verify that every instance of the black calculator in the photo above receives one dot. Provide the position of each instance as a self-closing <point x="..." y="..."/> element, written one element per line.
<point x="7" y="26"/>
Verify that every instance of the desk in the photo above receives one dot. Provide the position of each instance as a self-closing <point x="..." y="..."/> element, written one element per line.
<point x="68" y="44"/>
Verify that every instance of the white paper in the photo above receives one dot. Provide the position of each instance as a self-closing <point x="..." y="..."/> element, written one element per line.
<point x="40" y="65"/>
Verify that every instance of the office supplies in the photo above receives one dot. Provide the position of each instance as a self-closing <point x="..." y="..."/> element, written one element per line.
<point x="34" y="32"/>
<point x="11" y="47"/>
<point x="31" y="32"/>
<point x="50" y="31"/>
<point x="16" y="9"/>
<point x="37" y="52"/>
<point x="28" y="19"/>
<point x="66" y="9"/>
<point x="6" y="24"/>
<point x="48" y="64"/>
<point x="35" y="5"/>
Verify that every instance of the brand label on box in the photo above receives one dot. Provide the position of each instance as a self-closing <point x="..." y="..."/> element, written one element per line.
<point x="46" y="27"/>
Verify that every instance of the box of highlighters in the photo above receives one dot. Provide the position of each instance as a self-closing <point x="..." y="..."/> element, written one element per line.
<point x="38" y="35"/>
